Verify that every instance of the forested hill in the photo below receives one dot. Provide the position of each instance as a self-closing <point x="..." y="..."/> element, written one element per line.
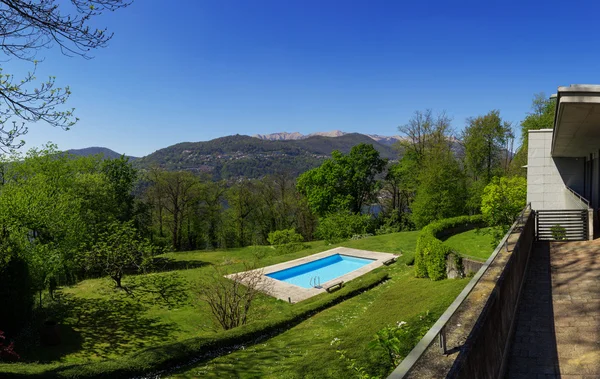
<point x="108" y="153"/>
<point x="250" y="157"/>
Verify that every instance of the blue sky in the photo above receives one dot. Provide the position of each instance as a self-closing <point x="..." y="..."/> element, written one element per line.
<point x="194" y="70"/>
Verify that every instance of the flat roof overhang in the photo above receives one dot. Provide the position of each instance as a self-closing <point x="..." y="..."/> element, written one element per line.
<point x="577" y="121"/>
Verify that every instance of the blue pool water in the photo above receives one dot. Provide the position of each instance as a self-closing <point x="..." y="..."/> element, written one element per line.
<point x="326" y="269"/>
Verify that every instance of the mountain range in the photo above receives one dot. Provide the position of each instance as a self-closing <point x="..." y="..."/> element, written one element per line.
<point x="238" y="156"/>
<point x="285" y="136"/>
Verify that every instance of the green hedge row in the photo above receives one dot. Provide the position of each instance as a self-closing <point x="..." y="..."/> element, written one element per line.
<point x="171" y="355"/>
<point x="431" y="253"/>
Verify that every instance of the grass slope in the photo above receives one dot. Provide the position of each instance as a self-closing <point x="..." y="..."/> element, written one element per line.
<point x="475" y="244"/>
<point x="306" y="351"/>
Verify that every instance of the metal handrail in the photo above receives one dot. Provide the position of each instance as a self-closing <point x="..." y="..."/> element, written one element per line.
<point x="583" y="199"/>
<point x="439" y="328"/>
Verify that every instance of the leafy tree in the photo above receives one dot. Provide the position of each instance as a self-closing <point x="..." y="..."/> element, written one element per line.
<point x="503" y="199"/>
<point x="121" y="178"/>
<point x="119" y="249"/>
<point x="344" y="182"/>
<point x="485" y="141"/>
<point x="28" y="26"/>
<point x="173" y="194"/>
<point x="540" y="117"/>
<point x="441" y="191"/>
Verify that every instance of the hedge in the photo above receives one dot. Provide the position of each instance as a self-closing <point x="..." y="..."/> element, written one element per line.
<point x="431" y="253"/>
<point x="195" y="349"/>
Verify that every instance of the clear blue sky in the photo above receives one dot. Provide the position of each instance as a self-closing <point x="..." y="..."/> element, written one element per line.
<point x="195" y="70"/>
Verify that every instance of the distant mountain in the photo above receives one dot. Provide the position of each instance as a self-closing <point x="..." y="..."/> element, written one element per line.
<point x="285" y="136"/>
<point x="108" y="153"/>
<point x="244" y="156"/>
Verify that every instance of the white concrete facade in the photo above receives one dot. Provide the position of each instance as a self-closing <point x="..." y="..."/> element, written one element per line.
<point x="549" y="177"/>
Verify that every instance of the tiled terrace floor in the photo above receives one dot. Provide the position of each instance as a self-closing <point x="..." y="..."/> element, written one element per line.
<point x="557" y="331"/>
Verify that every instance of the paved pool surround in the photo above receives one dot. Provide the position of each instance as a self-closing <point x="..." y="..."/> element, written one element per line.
<point x="286" y="291"/>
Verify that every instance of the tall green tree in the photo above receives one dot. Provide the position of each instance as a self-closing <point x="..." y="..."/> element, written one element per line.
<point x="344" y="182"/>
<point x="441" y="190"/>
<point x="485" y="142"/>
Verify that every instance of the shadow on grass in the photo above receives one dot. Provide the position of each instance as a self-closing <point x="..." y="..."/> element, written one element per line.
<point x="101" y="328"/>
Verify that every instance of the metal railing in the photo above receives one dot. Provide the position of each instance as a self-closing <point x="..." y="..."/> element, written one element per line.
<point x="438" y="330"/>
<point x="581" y="198"/>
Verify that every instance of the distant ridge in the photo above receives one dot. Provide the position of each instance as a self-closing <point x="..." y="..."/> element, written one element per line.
<point x="285" y="136"/>
<point x="96" y="150"/>
<point x="240" y="156"/>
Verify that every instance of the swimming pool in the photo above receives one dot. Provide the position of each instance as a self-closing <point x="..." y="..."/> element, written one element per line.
<point x="320" y="271"/>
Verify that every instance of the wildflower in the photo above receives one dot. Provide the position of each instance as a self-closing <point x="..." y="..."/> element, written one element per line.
<point x="333" y="341"/>
<point x="400" y="324"/>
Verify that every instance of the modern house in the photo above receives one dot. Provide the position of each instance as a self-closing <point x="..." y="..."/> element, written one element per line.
<point x="563" y="168"/>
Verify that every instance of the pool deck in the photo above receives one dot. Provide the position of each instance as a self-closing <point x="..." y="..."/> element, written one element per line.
<point x="289" y="292"/>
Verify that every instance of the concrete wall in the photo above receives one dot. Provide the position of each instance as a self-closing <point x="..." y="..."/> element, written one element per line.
<point x="484" y="353"/>
<point x="548" y="176"/>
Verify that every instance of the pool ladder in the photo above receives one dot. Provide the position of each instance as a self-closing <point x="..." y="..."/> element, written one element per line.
<point x="315" y="281"/>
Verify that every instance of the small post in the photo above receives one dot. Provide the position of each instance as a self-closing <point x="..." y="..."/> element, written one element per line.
<point x="290" y="300"/>
<point x="443" y="339"/>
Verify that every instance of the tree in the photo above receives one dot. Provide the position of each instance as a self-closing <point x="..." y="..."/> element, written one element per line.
<point x="503" y="198"/>
<point x="119" y="249"/>
<point x="423" y="132"/>
<point x="28" y="26"/>
<point x="174" y="193"/>
<point x="344" y="182"/>
<point x="441" y="190"/>
<point x="485" y="141"/>
<point x="121" y="178"/>
<point x="540" y="117"/>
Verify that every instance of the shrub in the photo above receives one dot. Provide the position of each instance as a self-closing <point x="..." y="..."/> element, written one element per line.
<point x="431" y="253"/>
<point x="286" y="240"/>
<point x="559" y="232"/>
<point x="341" y="226"/>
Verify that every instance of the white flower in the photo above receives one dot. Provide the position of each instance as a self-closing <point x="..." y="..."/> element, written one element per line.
<point x="400" y="324"/>
<point x="335" y="340"/>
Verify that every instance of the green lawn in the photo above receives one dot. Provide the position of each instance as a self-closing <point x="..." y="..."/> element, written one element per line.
<point x="101" y="323"/>
<point x="475" y="244"/>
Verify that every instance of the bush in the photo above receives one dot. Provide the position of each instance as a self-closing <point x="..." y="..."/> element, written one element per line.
<point x="162" y="357"/>
<point x="559" y="233"/>
<point x="431" y="253"/>
<point x="341" y="226"/>
<point x="286" y="240"/>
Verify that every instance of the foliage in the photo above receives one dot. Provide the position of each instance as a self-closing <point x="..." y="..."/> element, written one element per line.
<point x="344" y="182"/>
<point x="441" y="188"/>
<point x="286" y="240"/>
<point x="503" y="199"/>
<point x="559" y="233"/>
<point x="117" y="250"/>
<point x="487" y="142"/>
<point x="431" y="253"/>
<point x="340" y="226"/>
<point x="230" y="299"/>
<point x="397" y="341"/>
